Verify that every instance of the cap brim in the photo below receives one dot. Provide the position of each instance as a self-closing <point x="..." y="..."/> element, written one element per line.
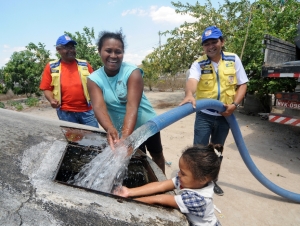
<point x="215" y="37"/>
<point x="72" y="41"/>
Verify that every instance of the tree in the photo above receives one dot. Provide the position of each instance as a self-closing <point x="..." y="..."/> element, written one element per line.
<point x="184" y="44"/>
<point x="150" y="74"/>
<point x="1" y="80"/>
<point x="23" y="71"/>
<point x="265" y="17"/>
<point x="86" y="48"/>
<point x="244" y="25"/>
<point x="175" y="56"/>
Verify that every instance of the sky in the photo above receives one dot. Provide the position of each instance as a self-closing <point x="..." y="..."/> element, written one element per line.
<point x="25" y="21"/>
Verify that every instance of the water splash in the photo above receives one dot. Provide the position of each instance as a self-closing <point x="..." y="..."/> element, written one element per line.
<point x="108" y="169"/>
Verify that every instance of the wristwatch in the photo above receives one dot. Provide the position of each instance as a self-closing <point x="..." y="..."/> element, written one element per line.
<point x="236" y="105"/>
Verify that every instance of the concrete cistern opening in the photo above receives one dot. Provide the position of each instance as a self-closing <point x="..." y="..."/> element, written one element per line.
<point x="78" y="152"/>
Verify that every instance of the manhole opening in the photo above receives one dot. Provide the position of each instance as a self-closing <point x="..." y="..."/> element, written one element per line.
<point x="84" y="145"/>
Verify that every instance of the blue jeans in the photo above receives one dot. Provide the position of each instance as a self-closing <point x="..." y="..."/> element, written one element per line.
<point x="210" y="129"/>
<point x="85" y="118"/>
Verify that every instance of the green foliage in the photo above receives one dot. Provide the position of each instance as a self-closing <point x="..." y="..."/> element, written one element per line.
<point x="23" y="72"/>
<point x="17" y="90"/>
<point x="86" y="48"/>
<point x="13" y="103"/>
<point x="32" y="101"/>
<point x="1" y="74"/>
<point x="266" y="17"/>
<point x="150" y="74"/>
<point x="16" y="104"/>
<point x="2" y="87"/>
<point x="244" y="25"/>
<point x="19" y="107"/>
<point x="2" y="105"/>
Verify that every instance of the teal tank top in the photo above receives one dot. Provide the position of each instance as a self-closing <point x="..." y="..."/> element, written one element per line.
<point x="114" y="91"/>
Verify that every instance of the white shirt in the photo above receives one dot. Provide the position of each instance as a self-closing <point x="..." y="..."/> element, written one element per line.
<point x="195" y="73"/>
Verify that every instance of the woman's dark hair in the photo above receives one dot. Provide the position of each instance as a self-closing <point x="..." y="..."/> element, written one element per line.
<point x="103" y="35"/>
<point x="222" y="39"/>
<point x="203" y="161"/>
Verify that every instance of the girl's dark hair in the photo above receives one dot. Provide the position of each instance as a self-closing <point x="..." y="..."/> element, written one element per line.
<point x="103" y="35"/>
<point x="203" y="162"/>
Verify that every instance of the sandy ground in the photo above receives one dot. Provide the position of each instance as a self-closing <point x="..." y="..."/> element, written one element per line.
<point x="274" y="148"/>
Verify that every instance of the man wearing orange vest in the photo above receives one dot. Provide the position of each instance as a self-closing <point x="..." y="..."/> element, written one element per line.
<point x="216" y="75"/>
<point x="64" y="84"/>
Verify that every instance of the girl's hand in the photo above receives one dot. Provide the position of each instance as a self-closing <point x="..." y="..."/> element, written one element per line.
<point x="122" y="191"/>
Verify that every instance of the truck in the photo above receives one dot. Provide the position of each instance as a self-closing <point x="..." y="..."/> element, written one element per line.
<point x="282" y="60"/>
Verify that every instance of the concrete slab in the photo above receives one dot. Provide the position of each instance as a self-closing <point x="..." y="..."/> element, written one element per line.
<point x="31" y="148"/>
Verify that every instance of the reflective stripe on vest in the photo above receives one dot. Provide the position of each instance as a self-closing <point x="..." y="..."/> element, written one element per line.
<point x="55" y="69"/>
<point x="221" y="85"/>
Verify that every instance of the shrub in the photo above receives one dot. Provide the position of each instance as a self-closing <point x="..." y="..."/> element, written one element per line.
<point x="19" y="107"/>
<point x="12" y="103"/>
<point x="2" y="88"/>
<point x="2" y="105"/>
<point x="32" y="101"/>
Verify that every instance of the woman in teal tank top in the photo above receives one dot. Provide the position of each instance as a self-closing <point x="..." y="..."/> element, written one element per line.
<point x="116" y="92"/>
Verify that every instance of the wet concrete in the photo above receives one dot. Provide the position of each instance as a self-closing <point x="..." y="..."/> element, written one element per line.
<point x="31" y="148"/>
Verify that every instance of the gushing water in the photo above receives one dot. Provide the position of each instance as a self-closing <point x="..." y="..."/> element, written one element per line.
<point x="108" y="169"/>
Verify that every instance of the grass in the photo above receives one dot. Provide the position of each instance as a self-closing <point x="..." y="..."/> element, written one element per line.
<point x="19" y="107"/>
<point x="13" y="102"/>
<point x="32" y="101"/>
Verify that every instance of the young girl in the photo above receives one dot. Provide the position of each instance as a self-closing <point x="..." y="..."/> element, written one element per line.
<point x="199" y="167"/>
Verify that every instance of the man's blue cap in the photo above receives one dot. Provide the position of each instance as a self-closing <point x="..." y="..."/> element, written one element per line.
<point x="211" y="32"/>
<point x="64" y="40"/>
